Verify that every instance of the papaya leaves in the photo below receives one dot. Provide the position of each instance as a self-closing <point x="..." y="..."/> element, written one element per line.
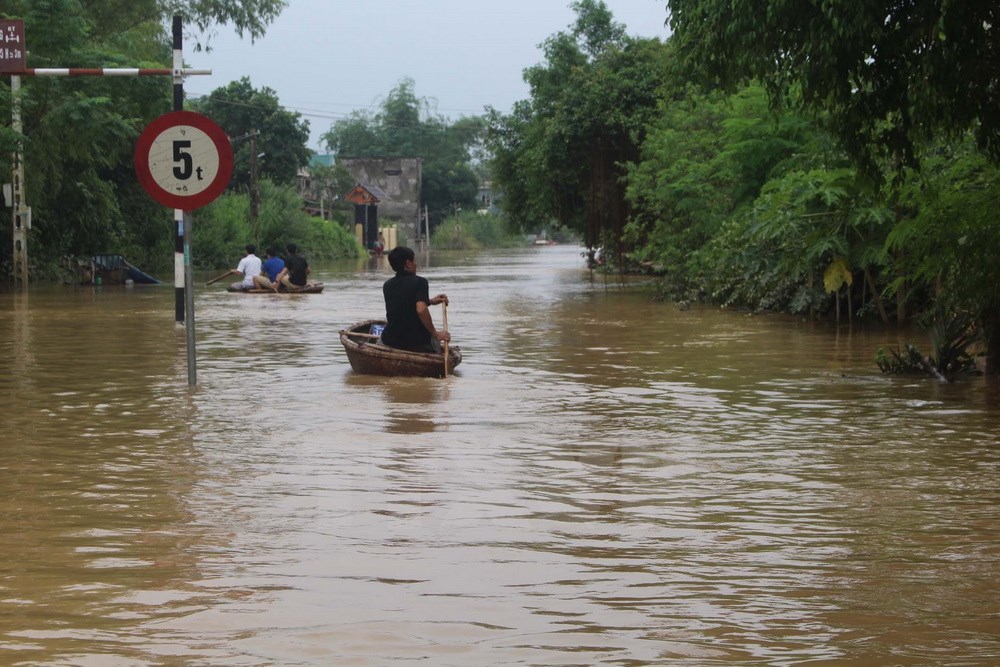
<point x="804" y="224"/>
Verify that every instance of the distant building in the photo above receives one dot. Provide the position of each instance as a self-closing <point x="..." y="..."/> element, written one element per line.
<point x="487" y="200"/>
<point x="367" y="199"/>
<point x="396" y="182"/>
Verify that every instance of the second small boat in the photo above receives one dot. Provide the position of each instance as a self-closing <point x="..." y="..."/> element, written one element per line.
<point x="312" y="288"/>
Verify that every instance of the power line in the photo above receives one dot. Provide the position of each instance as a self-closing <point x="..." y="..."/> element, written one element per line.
<point x="331" y="116"/>
<point x="312" y="113"/>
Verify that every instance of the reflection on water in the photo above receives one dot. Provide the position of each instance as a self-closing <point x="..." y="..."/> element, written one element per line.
<point x="608" y="480"/>
<point x="409" y="403"/>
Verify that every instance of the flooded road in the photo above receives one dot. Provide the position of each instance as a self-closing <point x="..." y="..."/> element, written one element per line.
<point x="606" y="480"/>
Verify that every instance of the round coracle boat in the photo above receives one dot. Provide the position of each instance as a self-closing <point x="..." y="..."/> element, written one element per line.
<point x="371" y="357"/>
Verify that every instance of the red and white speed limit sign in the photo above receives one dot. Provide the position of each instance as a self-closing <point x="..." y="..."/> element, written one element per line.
<point x="183" y="160"/>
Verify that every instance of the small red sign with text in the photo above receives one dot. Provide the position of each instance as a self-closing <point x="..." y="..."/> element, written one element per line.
<point x="12" y="45"/>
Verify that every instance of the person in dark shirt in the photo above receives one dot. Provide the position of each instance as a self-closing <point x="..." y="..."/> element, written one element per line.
<point x="295" y="274"/>
<point x="408" y="321"/>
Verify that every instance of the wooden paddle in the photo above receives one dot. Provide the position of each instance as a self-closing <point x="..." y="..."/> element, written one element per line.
<point x="444" y="326"/>
<point x="218" y="278"/>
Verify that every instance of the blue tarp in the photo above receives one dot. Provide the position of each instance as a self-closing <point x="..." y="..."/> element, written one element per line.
<point x="117" y="262"/>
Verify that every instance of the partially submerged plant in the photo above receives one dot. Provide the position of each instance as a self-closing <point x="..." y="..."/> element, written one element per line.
<point x="953" y="336"/>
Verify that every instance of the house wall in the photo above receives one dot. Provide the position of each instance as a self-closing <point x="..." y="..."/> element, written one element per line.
<point x="400" y="179"/>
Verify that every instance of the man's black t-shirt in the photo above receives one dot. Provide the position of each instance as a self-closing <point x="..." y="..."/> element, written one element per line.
<point x="404" y="328"/>
<point x="296" y="266"/>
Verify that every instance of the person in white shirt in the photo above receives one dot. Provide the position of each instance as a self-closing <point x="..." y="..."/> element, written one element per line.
<point x="249" y="267"/>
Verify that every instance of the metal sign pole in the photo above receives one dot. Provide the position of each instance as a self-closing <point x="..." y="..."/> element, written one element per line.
<point x="179" y="242"/>
<point x="189" y="300"/>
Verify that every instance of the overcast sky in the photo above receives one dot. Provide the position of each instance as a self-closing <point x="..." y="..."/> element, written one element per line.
<point x="326" y="58"/>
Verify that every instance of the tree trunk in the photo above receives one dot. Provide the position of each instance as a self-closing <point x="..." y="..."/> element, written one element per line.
<point x="864" y="290"/>
<point x="901" y="292"/>
<point x="812" y="306"/>
<point x="991" y="339"/>
<point x="901" y="305"/>
<point x="878" y="297"/>
<point x="838" y="307"/>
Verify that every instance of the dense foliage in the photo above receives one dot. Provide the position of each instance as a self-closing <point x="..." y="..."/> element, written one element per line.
<point x="561" y="155"/>
<point x="406" y="126"/>
<point x="472" y="230"/>
<point x="79" y="132"/>
<point x="224" y="227"/>
<point x="257" y="122"/>
<point x="810" y="161"/>
<point x="891" y="75"/>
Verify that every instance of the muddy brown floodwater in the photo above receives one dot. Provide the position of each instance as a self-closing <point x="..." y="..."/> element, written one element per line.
<point x="605" y="480"/>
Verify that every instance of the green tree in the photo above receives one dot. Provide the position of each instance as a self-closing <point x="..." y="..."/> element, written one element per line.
<point x="281" y="135"/>
<point x="79" y="132"/>
<point x="897" y="83"/>
<point x="704" y="158"/>
<point x="561" y="155"/>
<point x="889" y="74"/>
<point x="247" y="17"/>
<point x="330" y="183"/>
<point x="224" y="228"/>
<point x="950" y="243"/>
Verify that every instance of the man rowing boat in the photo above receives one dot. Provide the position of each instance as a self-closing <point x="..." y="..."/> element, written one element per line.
<point x="409" y="325"/>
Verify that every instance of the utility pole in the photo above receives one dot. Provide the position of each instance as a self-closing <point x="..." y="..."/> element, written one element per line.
<point x="254" y="189"/>
<point x="20" y="213"/>
<point x="427" y="227"/>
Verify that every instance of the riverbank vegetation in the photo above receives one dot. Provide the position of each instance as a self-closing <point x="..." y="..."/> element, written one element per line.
<point x="473" y="231"/>
<point x="778" y="164"/>
<point x="225" y="226"/>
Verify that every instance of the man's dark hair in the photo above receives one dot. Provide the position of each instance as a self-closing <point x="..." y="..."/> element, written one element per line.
<point x="398" y="257"/>
<point x="251" y="248"/>
<point x="272" y="252"/>
<point x="292" y="248"/>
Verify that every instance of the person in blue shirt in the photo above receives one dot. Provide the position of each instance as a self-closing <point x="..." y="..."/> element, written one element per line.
<point x="270" y="269"/>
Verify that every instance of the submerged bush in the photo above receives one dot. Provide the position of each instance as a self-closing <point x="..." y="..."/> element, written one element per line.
<point x="472" y="231"/>
<point x="953" y="335"/>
